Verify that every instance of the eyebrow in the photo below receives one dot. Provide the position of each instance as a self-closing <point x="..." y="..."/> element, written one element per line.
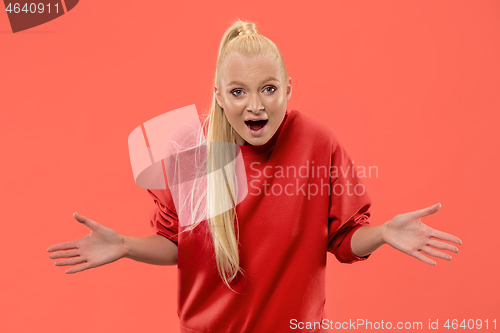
<point x="271" y="78"/>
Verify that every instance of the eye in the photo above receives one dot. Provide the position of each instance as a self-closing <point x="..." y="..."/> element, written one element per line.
<point x="235" y="92"/>
<point x="270" y="89"/>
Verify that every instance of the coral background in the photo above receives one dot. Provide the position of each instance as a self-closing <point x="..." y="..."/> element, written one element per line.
<point x="408" y="86"/>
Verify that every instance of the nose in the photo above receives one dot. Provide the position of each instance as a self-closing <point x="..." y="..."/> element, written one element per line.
<point x="255" y="104"/>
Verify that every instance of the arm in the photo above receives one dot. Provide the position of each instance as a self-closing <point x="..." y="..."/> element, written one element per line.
<point x="154" y="249"/>
<point x="367" y="239"/>
<point x="406" y="233"/>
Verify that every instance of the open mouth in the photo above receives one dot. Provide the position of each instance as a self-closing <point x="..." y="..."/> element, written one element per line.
<point x="256" y="125"/>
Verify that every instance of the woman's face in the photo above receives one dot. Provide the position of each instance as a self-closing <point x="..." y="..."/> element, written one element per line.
<point x="253" y="88"/>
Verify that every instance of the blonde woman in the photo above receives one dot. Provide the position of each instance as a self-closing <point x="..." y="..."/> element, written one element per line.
<point x="260" y="265"/>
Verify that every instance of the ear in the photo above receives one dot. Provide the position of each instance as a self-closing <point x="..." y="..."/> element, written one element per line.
<point x="289" y="89"/>
<point x="218" y="97"/>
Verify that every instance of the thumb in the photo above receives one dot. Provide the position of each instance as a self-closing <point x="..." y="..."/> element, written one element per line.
<point x="428" y="211"/>
<point x="85" y="220"/>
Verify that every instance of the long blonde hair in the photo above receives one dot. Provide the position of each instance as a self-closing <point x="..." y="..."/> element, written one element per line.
<point x="240" y="38"/>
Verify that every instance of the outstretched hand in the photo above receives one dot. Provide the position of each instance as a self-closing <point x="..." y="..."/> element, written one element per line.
<point x="102" y="246"/>
<point x="407" y="233"/>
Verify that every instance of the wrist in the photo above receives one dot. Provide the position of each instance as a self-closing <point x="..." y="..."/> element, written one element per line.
<point x="383" y="232"/>
<point x="126" y="246"/>
<point x="380" y="234"/>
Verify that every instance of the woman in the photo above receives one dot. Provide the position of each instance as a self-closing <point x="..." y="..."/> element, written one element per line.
<point x="260" y="265"/>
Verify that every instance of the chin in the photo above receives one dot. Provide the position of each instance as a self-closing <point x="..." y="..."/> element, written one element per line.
<point x="257" y="141"/>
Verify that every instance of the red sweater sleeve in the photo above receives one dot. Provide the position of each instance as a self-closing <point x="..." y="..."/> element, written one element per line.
<point x="163" y="219"/>
<point x="349" y="206"/>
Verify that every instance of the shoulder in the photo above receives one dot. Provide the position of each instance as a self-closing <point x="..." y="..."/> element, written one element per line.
<point x="309" y="133"/>
<point x="308" y="128"/>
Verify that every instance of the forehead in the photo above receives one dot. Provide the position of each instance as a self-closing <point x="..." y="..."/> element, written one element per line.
<point x="249" y="69"/>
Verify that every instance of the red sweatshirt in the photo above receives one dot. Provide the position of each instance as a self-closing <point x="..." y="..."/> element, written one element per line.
<point x="304" y="200"/>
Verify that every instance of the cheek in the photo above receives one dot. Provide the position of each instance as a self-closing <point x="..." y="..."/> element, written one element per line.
<point x="232" y="117"/>
<point x="276" y="99"/>
<point x="234" y="103"/>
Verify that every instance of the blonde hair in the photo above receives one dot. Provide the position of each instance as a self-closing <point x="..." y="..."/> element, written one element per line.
<point x="241" y="38"/>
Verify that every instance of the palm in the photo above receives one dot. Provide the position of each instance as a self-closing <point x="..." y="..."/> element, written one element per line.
<point x="408" y="234"/>
<point x="102" y="246"/>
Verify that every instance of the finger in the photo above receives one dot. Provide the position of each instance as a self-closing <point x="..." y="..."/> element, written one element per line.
<point x="427" y="211"/>
<point x="423" y="258"/>
<point x="442" y="246"/>
<point x="78" y="268"/>
<point x="72" y="261"/>
<point x="85" y="220"/>
<point x="435" y="253"/>
<point x="63" y="246"/>
<point x="64" y="254"/>
<point x="445" y="236"/>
